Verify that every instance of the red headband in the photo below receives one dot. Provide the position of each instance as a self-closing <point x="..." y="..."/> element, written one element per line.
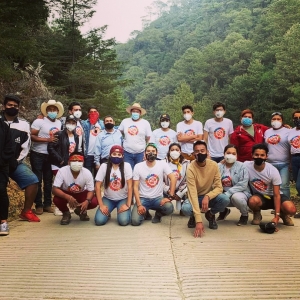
<point x="76" y="157"/>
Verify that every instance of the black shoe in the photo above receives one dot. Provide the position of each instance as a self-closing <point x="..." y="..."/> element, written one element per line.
<point x="297" y="215"/>
<point x="242" y="221"/>
<point x="222" y="215"/>
<point x="147" y="216"/>
<point x="192" y="222"/>
<point x="157" y="218"/>
<point x="66" y="218"/>
<point x="212" y="224"/>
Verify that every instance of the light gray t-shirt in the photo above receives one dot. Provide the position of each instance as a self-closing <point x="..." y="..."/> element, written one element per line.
<point x="294" y="140"/>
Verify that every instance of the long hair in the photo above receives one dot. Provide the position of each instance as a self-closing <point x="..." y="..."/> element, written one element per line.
<point x="181" y="158"/>
<point x="108" y="170"/>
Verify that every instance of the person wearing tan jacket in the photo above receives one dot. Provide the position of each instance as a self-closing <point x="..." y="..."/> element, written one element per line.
<point x="204" y="190"/>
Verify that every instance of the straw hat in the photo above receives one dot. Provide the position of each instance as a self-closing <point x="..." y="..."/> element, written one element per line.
<point x="137" y="106"/>
<point x="53" y="103"/>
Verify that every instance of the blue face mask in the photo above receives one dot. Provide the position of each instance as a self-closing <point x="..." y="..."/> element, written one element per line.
<point x="246" y="121"/>
<point x="135" y="116"/>
<point x="52" y="114"/>
<point x="116" y="160"/>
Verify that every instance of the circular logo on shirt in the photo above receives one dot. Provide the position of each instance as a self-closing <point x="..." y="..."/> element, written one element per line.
<point x="74" y="188"/>
<point x="115" y="183"/>
<point x="72" y="147"/>
<point x="259" y="185"/>
<point x="177" y="174"/>
<point x="226" y="181"/>
<point x="152" y="180"/>
<point x="164" y="140"/>
<point x="189" y="132"/>
<point x="53" y="130"/>
<point x="219" y="133"/>
<point x="273" y="139"/>
<point x="133" y="130"/>
<point x="295" y="142"/>
<point x="78" y="130"/>
<point x="95" y="131"/>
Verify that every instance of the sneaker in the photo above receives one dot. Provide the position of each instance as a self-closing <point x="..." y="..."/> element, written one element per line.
<point x="157" y="218"/>
<point x="192" y="222"/>
<point x="212" y="224"/>
<point x="83" y="217"/>
<point x="286" y="220"/>
<point x="297" y="216"/>
<point x="57" y="212"/>
<point x="71" y="210"/>
<point x="222" y="215"/>
<point x="242" y="221"/>
<point x="29" y="216"/>
<point x="39" y="211"/>
<point x="66" y="218"/>
<point x="147" y="216"/>
<point x="256" y="218"/>
<point x="48" y="209"/>
<point x="4" y="229"/>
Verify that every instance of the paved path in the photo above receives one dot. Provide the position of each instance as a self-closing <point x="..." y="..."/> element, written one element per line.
<point x="154" y="261"/>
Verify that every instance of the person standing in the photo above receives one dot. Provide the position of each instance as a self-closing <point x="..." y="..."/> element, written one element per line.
<point x="188" y="132"/>
<point x="217" y="132"/>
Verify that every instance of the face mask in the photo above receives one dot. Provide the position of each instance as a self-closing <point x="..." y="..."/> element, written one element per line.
<point x="230" y="158"/>
<point x="70" y="127"/>
<point x="109" y="126"/>
<point x="12" y="111"/>
<point x="52" y="114"/>
<point x="246" y="121"/>
<point x="174" y="154"/>
<point x="116" y="160"/>
<point x="187" y="117"/>
<point x="297" y="123"/>
<point x="259" y="161"/>
<point x="93" y="117"/>
<point x="77" y="114"/>
<point x="151" y="157"/>
<point x="165" y="124"/>
<point x="200" y="157"/>
<point x="276" y="124"/>
<point x="76" y="166"/>
<point x="135" y="116"/>
<point x="219" y="114"/>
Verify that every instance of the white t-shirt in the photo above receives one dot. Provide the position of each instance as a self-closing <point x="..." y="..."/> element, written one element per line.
<point x="189" y="129"/>
<point x="226" y="180"/>
<point x="218" y="134"/>
<point x="278" y="145"/>
<point x="45" y="128"/>
<point x="294" y="140"/>
<point x="151" y="179"/>
<point x="179" y="175"/>
<point x="135" y="133"/>
<point x="115" y="191"/>
<point x="163" y="139"/>
<point x="79" y="131"/>
<point x="64" y="179"/>
<point x="263" y="182"/>
<point x="94" y="132"/>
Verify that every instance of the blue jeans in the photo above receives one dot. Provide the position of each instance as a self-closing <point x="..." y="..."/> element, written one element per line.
<point x="217" y="159"/>
<point x="295" y="169"/>
<point x="133" y="158"/>
<point x="285" y="178"/>
<point x="153" y="204"/>
<point x="89" y="163"/>
<point x="216" y="205"/>
<point x="123" y="218"/>
<point x="23" y="176"/>
<point x="41" y="167"/>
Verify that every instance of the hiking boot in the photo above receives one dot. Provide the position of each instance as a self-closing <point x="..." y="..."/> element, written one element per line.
<point x="147" y="216"/>
<point x="157" y="218"/>
<point x="286" y="220"/>
<point x="84" y="216"/>
<point x="256" y="218"/>
<point x="212" y="224"/>
<point x="4" y="229"/>
<point x="48" y="209"/>
<point x="181" y="213"/>
<point x="297" y="216"/>
<point x="39" y="210"/>
<point x="66" y="218"/>
<point x="29" y="216"/>
<point x="222" y="215"/>
<point x="192" y="222"/>
<point x="242" y="221"/>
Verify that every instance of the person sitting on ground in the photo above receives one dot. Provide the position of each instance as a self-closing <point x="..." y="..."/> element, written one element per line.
<point x="204" y="191"/>
<point x="116" y="177"/>
<point x="148" y="187"/>
<point x="74" y="185"/>
<point x="265" y="183"/>
<point x="234" y="177"/>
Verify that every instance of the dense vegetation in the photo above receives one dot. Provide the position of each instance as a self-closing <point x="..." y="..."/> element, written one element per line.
<point x="243" y="53"/>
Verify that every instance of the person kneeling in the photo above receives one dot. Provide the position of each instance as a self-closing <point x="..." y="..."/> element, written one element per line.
<point x="116" y="175"/>
<point x="74" y="185"/>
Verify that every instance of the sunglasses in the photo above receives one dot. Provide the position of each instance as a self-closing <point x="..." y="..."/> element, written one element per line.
<point x="276" y="114"/>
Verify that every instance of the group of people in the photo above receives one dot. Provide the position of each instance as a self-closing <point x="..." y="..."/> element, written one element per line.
<point x="95" y="163"/>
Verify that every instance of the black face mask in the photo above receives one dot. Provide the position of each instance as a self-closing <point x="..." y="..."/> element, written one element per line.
<point x="12" y="111"/>
<point x="151" y="157"/>
<point x="259" y="161"/>
<point x="201" y="157"/>
<point x="297" y="122"/>
<point x="109" y="126"/>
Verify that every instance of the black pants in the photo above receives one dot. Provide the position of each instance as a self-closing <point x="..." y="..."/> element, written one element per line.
<point x="4" y="201"/>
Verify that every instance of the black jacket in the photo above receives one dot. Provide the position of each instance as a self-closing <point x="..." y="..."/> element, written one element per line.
<point x="59" y="151"/>
<point x="6" y="147"/>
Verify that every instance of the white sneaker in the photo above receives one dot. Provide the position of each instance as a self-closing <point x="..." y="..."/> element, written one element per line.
<point x="57" y="212"/>
<point x="4" y="229"/>
<point x="71" y="210"/>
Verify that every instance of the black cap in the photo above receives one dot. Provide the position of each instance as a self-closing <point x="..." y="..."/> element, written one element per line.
<point x="164" y="116"/>
<point x="268" y="227"/>
<point x="71" y="118"/>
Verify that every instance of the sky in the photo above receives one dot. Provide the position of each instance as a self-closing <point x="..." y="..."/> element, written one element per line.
<point x="121" y="16"/>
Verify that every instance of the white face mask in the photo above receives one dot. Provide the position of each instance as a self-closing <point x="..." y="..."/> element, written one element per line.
<point x="77" y="114"/>
<point x="174" y="154"/>
<point x="76" y="166"/>
<point x="187" y="116"/>
<point x="276" y="124"/>
<point x="230" y="158"/>
<point x="70" y="127"/>
<point x="165" y="124"/>
<point x="219" y="114"/>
